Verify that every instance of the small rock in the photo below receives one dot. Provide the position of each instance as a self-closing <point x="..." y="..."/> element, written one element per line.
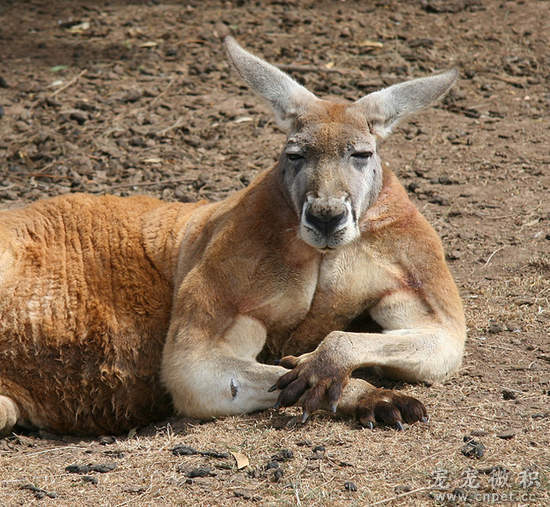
<point x="214" y="454"/>
<point x="200" y="472"/>
<point x="350" y="486"/>
<point x="506" y="435"/>
<point x="79" y="116"/>
<point x="283" y="455"/>
<point x="319" y="448"/>
<point x="9" y="195"/>
<point x="77" y="469"/>
<point x="183" y="450"/>
<point x="277" y="475"/>
<point x="246" y="494"/>
<point x="421" y="43"/>
<point x="398" y="490"/>
<point x="1" y="112"/>
<point x="454" y="255"/>
<point x="438" y="199"/>
<point x="103" y="469"/>
<point x="473" y="448"/>
<point x="181" y="194"/>
<point x="132" y="95"/>
<point x="3" y="83"/>
<point x="137" y="141"/>
<point x="494" y="328"/>
<point x="508" y="395"/>
<point x="39" y="493"/>
<point x="89" y="478"/>
<point x="107" y="440"/>
<point x="271" y="465"/>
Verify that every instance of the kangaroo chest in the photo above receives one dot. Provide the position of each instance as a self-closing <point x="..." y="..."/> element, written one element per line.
<point x="335" y="297"/>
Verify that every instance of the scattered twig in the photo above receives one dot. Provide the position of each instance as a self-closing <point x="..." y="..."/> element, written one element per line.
<point x="492" y="255"/>
<point x="179" y="122"/>
<point x="59" y="90"/>
<point x="161" y="94"/>
<point x="67" y="85"/>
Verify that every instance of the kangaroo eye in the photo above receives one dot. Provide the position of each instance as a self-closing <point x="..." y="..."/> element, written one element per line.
<point x="362" y="155"/>
<point x="294" y="156"/>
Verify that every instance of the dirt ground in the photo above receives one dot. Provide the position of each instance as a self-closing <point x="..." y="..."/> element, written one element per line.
<point x="134" y="97"/>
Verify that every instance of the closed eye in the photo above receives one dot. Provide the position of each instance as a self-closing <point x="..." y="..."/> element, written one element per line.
<point x="294" y="156"/>
<point x="362" y="155"/>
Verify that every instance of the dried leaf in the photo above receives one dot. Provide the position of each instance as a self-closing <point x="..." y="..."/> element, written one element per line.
<point x="241" y="459"/>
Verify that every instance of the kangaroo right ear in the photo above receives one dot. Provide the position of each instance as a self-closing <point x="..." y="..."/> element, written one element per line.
<point x="286" y="96"/>
<point x="385" y="108"/>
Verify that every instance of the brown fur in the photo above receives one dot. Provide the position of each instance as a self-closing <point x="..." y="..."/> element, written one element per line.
<point x="109" y="304"/>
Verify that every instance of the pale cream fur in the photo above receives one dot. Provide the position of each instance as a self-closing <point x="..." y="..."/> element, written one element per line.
<point x="108" y="304"/>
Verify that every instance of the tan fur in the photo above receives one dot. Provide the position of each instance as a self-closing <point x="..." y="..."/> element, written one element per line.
<point x="109" y="305"/>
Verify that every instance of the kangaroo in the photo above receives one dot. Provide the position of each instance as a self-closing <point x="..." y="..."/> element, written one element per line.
<point x="116" y="311"/>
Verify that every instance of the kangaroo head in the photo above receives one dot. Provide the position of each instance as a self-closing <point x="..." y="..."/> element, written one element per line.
<point x="329" y="168"/>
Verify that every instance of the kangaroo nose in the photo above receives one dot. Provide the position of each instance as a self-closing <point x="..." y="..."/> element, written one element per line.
<point x="325" y="223"/>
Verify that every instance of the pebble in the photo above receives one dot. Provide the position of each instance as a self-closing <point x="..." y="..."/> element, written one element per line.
<point x="350" y="486"/>
<point x="506" y="435"/>
<point x="39" y="493"/>
<point x="508" y="395"/>
<point x="277" y="475"/>
<point x="246" y="494"/>
<point x="3" y="83"/>
<point x="283" y="455"/>
<point x="200" y="472"/>
<point x="183" y="450"/>
<point x="79" y="116"/>
<point x="132" y="95"/>
<point x="494" y="328"/>
<point x="84" y="469"/>
<point x="473" y="448"/>
<point x="89" y="478"/>
<point x="107" y="440"/>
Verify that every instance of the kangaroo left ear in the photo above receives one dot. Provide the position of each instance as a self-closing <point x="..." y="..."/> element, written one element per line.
<point x="385" y="108"/>
<point x="286" y="96"/>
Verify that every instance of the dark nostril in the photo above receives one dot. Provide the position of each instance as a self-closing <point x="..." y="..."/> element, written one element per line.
<point x="325" y="223"/>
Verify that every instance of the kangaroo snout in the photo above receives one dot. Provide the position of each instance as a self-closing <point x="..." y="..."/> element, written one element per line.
<point x="325" y="221"/>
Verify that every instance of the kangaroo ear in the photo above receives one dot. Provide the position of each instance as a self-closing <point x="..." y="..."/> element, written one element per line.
<point x="286" y="96"/>
<point x="385" y="108"/>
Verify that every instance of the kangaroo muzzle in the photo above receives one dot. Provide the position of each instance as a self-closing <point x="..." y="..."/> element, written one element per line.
<point x="326" y="222"/>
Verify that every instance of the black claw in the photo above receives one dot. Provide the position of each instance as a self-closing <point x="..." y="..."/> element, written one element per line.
<point x="370" y="425"/>
<point x="272" y="388"/>
<point x="305" y="416"/>
<point x="333" y="407"/>
<point x="425" y="419"/>
<point x="277" y="404"/>
<point x="399" y="426"/>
